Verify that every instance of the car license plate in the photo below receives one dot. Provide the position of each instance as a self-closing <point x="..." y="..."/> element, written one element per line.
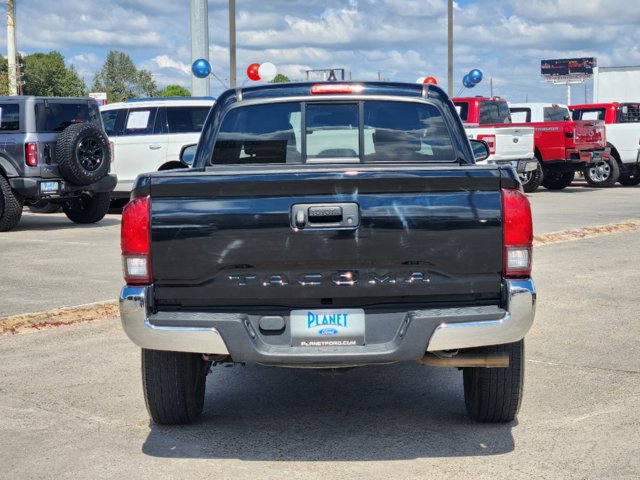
<point x="327" y="327"/>
<point x="49" y="187"/>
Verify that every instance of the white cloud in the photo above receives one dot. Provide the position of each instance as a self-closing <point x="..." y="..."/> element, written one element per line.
<point x="401" y="39"/>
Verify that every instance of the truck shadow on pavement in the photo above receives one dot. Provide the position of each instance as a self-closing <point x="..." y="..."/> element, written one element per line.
<point x="59" y="221"/>
<point x="369" y="413"/>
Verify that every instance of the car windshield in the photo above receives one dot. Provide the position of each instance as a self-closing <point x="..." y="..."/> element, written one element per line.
<point x="556" y="114"/>
<point x="56" y="116"/>
<point x="588" y="114"/>
<point x="359" y="131"/>
<point x="494" y="112"/>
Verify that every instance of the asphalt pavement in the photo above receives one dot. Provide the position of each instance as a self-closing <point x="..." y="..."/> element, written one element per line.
<point x="72" y="405"/>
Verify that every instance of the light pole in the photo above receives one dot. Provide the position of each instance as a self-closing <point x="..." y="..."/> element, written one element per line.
<point x="11" y="48"/>
<point x="450" y="49"/>
<point x="200" y="87"/>
<point x="232" y="43"/>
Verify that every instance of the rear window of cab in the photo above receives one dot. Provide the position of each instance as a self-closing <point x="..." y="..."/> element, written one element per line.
<point x="351" y="132"/>
<point x="54" y="116"/>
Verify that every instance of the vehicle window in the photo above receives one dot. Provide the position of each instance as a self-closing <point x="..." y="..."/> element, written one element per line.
<point x="140" y="121"/>
<point x="520" y="115"/>
<point x="556" y="114"/>
<point x="391" y="132"/>
<point x="629" y="113"/>
<point x="463" y="110"/>
<point x="55" y="117"/>
<point x="259" y="134"/>
<point x="9" y="117"/>
<point x="186" y="119"/>
<point x="494" y="112"/>
<point x="588" y="114"/>
<point x="332" y="131"/>
<point x="405" y="132"/>
<point x="110" y="120"/>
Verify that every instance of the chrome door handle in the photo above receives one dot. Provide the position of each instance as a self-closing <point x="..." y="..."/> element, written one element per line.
<point x="155" y="147"/>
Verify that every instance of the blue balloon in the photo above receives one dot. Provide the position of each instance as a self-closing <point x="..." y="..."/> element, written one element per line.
<point x="201" y="68"/>
<point x="475" y="75"/>
<point x="466" y="81"/>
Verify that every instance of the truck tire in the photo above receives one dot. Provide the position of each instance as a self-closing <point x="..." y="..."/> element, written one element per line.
<point x="174" y="385"/>
<point x="602" y="174"/>
<point x="10" y="206"/>
<point x="557" y="180"/>
<point x="630" y="178"/>
<point x="495" y="394"/>
<point x="43" y="206"/>
<point x="533" y="179"/>
<point x="83" y="153"/>
<point x="88" y="209"/>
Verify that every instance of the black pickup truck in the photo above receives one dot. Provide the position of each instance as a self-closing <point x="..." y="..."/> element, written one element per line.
<point x="330" y="225"/>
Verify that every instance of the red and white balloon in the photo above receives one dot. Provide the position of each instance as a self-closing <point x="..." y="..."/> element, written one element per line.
<point x="262" y="71"/>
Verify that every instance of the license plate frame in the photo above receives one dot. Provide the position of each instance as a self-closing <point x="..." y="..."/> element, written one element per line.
<point x="328" y="327"/>
<point x="49" y="187"/>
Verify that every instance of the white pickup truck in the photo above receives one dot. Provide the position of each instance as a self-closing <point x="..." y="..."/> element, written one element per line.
<point x="507" y="145"/>
<point x="622" y="122"/>
<point x="488" y="119"/>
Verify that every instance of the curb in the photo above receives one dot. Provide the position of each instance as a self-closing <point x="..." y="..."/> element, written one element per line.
<point x="585" y="232"/>
<point x="58" y="317"/>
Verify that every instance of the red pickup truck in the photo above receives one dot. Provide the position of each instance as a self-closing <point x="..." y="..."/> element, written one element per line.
<point x="562" y="146"/>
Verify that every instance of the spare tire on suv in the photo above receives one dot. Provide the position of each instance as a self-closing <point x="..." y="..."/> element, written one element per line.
<point x="83" y="153"/>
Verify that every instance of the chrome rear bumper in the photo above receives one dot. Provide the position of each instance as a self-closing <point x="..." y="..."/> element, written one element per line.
<point x="413" y="332"/>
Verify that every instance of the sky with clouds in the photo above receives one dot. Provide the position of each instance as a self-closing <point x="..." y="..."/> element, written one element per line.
<point x="399" y="40"/>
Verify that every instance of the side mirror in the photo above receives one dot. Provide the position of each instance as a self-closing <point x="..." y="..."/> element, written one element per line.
<point x="480" y="150"/>
<point x="188" y="154"/>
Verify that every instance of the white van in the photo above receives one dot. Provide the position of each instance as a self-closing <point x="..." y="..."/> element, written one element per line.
<point x="149" y="134"/>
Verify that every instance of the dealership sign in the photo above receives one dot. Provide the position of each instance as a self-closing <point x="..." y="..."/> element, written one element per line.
<point x="568" y="68"/>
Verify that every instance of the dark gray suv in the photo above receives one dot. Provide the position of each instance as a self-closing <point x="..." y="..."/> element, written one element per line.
<point x="53" y="152"/>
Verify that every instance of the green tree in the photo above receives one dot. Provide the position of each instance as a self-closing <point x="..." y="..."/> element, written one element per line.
<point x="121" y="80"/>
<point x="46" y="74"/>
<point x="280" y="78"/>
<point x="4" y="77"/>
<point x="174" y="91"/>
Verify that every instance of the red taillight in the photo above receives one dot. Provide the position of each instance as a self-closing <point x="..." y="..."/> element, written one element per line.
<point x="517" y="232"/>
<point x="335" y="88"/>
<point x="491" y="141"/>
<point x="31" y="154"/>
<point x="135" y="241"/>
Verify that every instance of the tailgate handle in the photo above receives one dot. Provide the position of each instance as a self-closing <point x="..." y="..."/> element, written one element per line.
<point x="325" y="216"/>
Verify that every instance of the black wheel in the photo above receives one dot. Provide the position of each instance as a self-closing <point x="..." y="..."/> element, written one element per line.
<point x="83" y="153"/>
<point x="495" y="394"/>
<point x="533" y="179"/>
<point x="557" y="179"/>
<point x="602" y="174"/>
<point x="630" y="177"/>
<point x="88" y="208"/>
<point x="43" y="206"/>
<point x="174" y="385"/>
<point x="10" y="206"/>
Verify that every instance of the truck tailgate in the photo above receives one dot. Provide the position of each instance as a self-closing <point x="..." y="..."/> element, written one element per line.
<point x="417" y="234"/>
<point x="511" y="143"/>
<point x="590" y="135"/>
